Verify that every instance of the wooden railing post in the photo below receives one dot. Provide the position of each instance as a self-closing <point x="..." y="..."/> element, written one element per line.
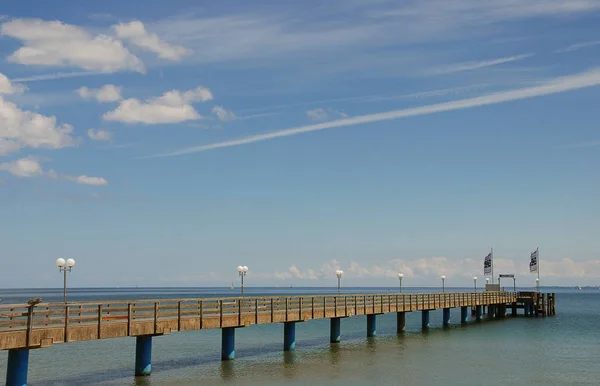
<point x="256" y="311"/>
<point x="155" y="317"/>
<point x="179" y="315"/>
<point x="66" y="337"/>
<point x="99" y="321"/>
<point x="129" y="317"/>
<point x="201" y="306"/>
<point x="220" y="313"/>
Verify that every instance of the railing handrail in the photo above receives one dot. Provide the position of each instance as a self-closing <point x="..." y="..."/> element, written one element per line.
<point x="235" y="298"/>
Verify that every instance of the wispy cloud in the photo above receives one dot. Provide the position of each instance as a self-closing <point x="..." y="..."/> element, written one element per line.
<point x="557" y="85"/>
<point x="469" y="66"/>
<point x="378" y="97"/>
<point x="578" y="46"/>
<point x="581" y="145"/>
<point x="57" y="75"/>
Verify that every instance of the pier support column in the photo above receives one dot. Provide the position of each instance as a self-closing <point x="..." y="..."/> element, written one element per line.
<point x="143" y="355"/>
<point x="371" y="325"/>
<point x="335" y="330"/>
<point x="446" y="316"/>
<point x="464" y="314"/>
<point x="514" y="310"/>
<point x="491" y="311"/>
<point x="526" y="309"/>
<point x="479" y="313"/>
<point x="289" y="336"/>
<point x="227" y="343"/>
<point x="425" y="319"/>
<point x="400" y="322"/>
<point x="16" y="368"/>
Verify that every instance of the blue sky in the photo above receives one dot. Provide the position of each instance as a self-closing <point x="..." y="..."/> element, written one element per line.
<point x="165" y="144"/>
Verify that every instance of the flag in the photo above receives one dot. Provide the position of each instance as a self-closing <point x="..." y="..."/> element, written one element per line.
<point x="487" y="264"/>
<point x="533" y="263"/>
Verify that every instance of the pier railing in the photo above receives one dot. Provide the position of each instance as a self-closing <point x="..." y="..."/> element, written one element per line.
<point x="48" y="323"/>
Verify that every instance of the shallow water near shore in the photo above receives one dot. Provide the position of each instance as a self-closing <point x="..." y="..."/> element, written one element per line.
<point x="558" y="350"/>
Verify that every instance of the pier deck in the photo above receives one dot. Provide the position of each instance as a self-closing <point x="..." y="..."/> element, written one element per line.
<point x="52" y="323"/>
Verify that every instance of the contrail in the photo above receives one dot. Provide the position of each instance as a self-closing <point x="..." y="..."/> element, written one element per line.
<point x="553" y="86"/>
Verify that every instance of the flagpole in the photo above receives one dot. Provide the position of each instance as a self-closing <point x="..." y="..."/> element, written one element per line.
<point x="492" y="265"/>
<point x="537" y="250"/>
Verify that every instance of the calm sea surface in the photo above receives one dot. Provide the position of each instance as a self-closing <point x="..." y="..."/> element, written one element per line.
<point x="560" y="350"/>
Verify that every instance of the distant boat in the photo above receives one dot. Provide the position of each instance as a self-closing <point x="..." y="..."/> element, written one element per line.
<point x="232" y="286"/>
<point x="579" y="288"/>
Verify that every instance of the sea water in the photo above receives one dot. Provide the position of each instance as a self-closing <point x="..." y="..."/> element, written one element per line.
<point x="560" y="350"/>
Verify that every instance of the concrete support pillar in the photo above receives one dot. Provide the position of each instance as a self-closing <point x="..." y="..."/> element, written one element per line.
<point x="446" y="316"/>
<point x="227" y="343"/>
<point x="371" y="325"/>
<point x="143" y="355"/>
<point x="514" y="310"/>
<point x="16" y="368"/>
<point x="289" y="336"/>
<point x="401" y="322"/>
<point x="526" y="309"/>
<point x="491" y="311"/>
<point x="425" y="319"/>
<point x="335" y="330"/>
<point x="479" y="313"/>
<point x="464" y="314"/>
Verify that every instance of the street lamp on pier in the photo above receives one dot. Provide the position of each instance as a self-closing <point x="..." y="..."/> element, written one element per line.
<point x="400" y="276"/>
<point x="537" y="284"/>
<point x="65" y="266"/>
<point x="443" y="283"/>
<point x="339" y="273"/>
<point x="242" y="271"/>
<point x="475" y="283"/>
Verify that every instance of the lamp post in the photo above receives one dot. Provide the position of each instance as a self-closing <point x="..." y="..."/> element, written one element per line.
<point x="400" y="276"/>
<point x="487" y="281"/>
<point x="475" y="283"/>
<point x="242" y="271"/>
<point x="64" y="267"/>
<point x="443" y="283"/>
<point x="339" y="273"/>
<point x="537" y="284"/>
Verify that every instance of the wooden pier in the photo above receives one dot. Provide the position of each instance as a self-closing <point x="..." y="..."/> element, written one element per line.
<point x="38" y="325"/>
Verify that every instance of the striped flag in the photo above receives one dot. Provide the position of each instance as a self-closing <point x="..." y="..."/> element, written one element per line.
<point x="487" y="264"/>
<point x="533" y="263"/>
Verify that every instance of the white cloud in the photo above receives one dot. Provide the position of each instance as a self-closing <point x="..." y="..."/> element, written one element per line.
<point x="172" y="107"/>
<point x="468" y="66"/>
<point x="578" y="46"/>
<point x="29" y="167"/>
<point x="99" y="135"/>
<point x="135" y="33"/>
<point x="21" y="129"/>
<point x="557" y="85"/>
<point x="106" y="93"/>
<point x="7" y="87"/>
<point x="24" y="167"/>
<point x="53" y="43"/>
<point x="320" y="114"/>
<point x="427" y="270"/>
<point x="85" y="180"/>
<point x="223" y="114"/>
